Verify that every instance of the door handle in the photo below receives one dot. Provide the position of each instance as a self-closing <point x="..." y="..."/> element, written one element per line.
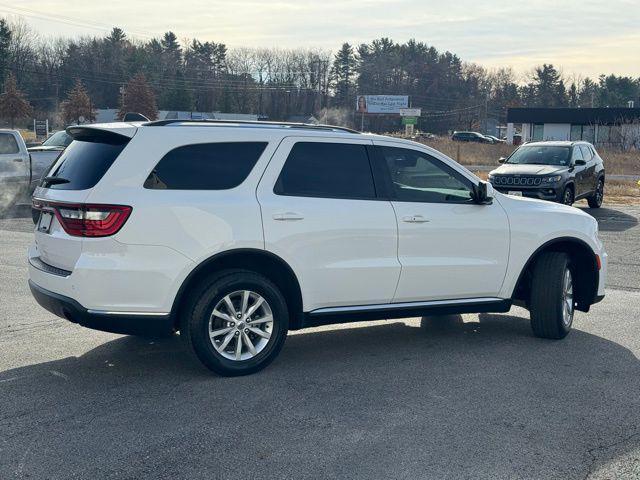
<point x="17" y="160"/>
<point x="287" y="216"/>
<point x="414" y="219"/>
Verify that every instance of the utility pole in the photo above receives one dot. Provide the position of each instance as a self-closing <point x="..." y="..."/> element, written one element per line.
<point x="486" y="113"/>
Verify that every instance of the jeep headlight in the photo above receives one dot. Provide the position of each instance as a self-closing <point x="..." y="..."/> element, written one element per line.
<point x="552" y="179"/>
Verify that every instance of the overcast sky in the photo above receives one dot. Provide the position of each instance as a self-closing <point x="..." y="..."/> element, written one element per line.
<point x="584" y="37"/>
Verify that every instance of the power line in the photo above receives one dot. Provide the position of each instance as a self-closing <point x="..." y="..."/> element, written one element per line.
<point x="10" y="9"/>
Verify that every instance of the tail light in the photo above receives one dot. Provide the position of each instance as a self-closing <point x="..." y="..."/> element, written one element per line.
<point x="87" y="220"/>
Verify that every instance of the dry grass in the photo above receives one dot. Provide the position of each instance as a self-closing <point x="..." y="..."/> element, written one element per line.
<point x="470" y="153"/>
<point x="616" y="163"/>
<point x="27" y="135"/>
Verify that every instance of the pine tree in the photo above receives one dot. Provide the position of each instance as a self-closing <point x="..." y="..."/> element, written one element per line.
<point x="549" y="87"/>
<point x="77" y="105"/>
<point x="139" y="97"/>
<point x="13" y="104"/>
<point x="5" y="41"/>
<point x="343" y="74"/>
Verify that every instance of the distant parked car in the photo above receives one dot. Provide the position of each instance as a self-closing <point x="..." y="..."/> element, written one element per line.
<point x="558" y="171"/>
<point x="470" y="137"/>
<point x="43" y="156"/>
<point x="496" y="139"/>
<point x="423" y="136"/>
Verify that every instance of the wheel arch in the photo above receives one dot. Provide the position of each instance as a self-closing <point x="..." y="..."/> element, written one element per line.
<point x="584" y="264"/>
<point x="260" y="261"/>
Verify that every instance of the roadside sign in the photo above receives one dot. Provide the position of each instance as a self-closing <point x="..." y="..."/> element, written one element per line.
<point x="409" y="120"/>
<point x="408" y="130"/>
<point x="41" y="128"/>
<point x="389" y="104"/>
<point x="410" y="112"/>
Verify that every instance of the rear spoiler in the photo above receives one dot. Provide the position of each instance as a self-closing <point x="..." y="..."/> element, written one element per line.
<point x="103" y="132"/>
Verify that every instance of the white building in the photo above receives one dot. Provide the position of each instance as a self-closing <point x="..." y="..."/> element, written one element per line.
<point x="609" y="127"/>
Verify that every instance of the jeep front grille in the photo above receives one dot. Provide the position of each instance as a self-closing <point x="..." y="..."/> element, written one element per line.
<point x="520" y="181"/>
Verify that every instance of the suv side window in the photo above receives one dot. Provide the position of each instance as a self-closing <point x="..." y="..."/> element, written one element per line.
<point x="418" y="177"/>
<point x="576" y="154"/>
<point x="205" y="166"/>
<point x="586" y="153"/>
<point x="8" y="144"/>
<point x="328" y="170"/>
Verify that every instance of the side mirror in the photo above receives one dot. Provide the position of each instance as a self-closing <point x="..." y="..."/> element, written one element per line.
<point x="502" y="159"/>
<point x="482" y="193"/>
<point x="579" y="162"/>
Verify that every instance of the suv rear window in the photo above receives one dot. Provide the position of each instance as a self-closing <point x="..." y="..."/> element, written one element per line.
<point x="84" y="162"/>
<point x="205" y="166"/>
<point x="328" y="170"/>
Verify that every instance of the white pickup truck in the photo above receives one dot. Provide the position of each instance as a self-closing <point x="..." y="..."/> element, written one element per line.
<point x="15" y="168"/>
<point x="21" y="168"/>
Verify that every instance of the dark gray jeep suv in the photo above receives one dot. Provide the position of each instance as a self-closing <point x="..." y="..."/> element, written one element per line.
<point x="558" y="171"/>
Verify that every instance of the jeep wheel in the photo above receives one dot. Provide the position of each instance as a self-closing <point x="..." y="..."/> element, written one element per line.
<point x="237" y="323"/>
<point x="567" y="196"/>
<point x="595" y="201"/>
<point x="552" y="296"/>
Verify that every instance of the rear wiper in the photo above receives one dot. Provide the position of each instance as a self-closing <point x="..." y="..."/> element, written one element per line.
<point x="55" y="180"/>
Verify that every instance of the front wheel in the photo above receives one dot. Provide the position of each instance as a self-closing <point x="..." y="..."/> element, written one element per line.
<point x="552" y="296"/>
<point x="595" y="201"/>
<point x="237" y="323"/>
<point x="567" y="196"/>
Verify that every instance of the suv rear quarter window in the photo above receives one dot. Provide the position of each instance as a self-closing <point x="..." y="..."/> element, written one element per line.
<point x="205" y="166"/>
<point x="327" y="170"/>
<point x="85" y="161"/>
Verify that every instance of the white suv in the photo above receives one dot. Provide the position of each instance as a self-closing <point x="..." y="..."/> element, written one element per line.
<point x="235" y="233"/>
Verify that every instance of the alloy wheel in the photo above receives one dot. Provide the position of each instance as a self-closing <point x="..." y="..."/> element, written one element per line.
<point x="600" y="192"/>
<point x="241" y="325"/>
<point x="568" y="197"/>
<point x="567" y="298"/>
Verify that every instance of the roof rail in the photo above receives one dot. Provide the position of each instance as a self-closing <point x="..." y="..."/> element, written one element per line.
<point x="310" y="126"/>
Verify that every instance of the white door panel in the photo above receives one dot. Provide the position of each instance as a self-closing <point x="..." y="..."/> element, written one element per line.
<point x="448" y="247"/>
<point x="460" y="251"/>
<point x="344" y="251"/>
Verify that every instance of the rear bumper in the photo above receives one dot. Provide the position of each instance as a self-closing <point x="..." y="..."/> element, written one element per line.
<point x="128" y="323"/>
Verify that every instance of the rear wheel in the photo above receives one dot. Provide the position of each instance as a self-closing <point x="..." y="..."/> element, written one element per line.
<point x="567" y="196"/>
<point x="237" y="323"/>
<point x="552" y="296"/>
<point x="595" y="201"/>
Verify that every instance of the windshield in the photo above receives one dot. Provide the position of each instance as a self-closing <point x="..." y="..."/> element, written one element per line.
<point x="540" y="155"/>
<point x="58" y="139"/>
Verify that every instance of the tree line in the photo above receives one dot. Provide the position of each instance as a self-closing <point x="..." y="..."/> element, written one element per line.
<point x="73" y="77"/>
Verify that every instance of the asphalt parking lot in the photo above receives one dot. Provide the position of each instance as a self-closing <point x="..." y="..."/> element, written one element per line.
<point x="460" y="397"/>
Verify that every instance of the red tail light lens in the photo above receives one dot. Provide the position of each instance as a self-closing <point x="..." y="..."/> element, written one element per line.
<point x="83" y="220"/>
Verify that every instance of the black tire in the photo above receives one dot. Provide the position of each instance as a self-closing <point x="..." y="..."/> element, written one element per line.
<point x="567" y="196"/>
<point x="595" y="201"/>
<point x="547" y="296"/>
<point x="195" y="322"/>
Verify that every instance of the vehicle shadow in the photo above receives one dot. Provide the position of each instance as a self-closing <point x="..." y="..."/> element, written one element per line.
<point x="18" y="211"/>
<point x="612" y="220"/>
<point x="443" y="397"/>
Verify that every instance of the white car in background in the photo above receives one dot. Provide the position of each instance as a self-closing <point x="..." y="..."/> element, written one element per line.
<point x="234" y="233"/>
